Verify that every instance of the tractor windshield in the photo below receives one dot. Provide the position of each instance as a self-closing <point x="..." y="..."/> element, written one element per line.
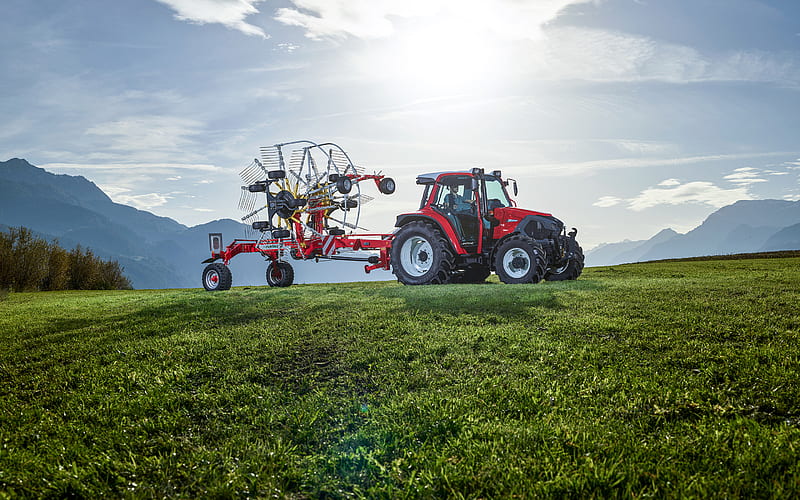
<point x="495" y="193"/>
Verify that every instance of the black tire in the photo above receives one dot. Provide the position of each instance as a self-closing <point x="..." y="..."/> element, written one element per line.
<point x="344" y="184"/>
<point x="421" y="255"/>
<point x="473" y="273"/>
<point x="217" y="277"/>
<point x="571" y="268"/>
<point x="280" y="274"/>
<point x="386" y="185"/>
<point x="519" y="259"/>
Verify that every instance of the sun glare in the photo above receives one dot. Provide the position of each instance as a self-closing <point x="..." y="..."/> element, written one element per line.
<point x="441" y="55"/>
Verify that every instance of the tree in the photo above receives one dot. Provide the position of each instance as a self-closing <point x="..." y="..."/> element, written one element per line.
<point x="28" y="263"/>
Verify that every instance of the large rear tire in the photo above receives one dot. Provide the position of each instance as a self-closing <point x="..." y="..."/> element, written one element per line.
<point x="571" y="267"/>
<point x="280" y="274"/>
<point x="519" y="259"/>
<point x="421" y="255"/>
<point x="217" y="277"/>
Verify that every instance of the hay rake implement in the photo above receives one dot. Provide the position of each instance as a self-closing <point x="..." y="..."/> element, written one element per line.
<point x="301" y="200"/>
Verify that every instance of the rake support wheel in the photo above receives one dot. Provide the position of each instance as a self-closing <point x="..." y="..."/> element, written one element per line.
<point x="280" y="274"/>
<point x="217" y="277"/>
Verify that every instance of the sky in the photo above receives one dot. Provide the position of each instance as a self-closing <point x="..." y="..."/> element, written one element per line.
<point x="620" y="117"/>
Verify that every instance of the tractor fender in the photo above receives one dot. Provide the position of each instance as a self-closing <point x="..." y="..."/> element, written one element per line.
<point x="497" y="244"/>
<point x="439" y="222"/>
<point x="540" y="227"/>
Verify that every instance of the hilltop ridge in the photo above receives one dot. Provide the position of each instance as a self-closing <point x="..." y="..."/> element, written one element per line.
<point x="742" y="227"/>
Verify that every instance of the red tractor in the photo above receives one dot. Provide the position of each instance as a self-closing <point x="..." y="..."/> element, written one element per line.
<point x="466" y="227"/>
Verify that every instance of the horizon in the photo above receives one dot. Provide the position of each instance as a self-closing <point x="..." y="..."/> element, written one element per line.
<point x="238" y="220"/>
<point x="620" y="117"/>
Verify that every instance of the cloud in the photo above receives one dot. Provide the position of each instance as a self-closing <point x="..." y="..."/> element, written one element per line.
<point x="642" y="147"/>
<point x="378" y="18"/>
<point x="573" y="168"/>
<point x="673" y="192"/>
<point x="546" y="51"/>
<point x="230" y="13"/>
<point x="607" y="201"/>
<point x="745" y="176"/>
<point x="125" y="169"/>
<point x="286" y="47"/>
<point x="140" y="201"/>
<point x="692" y="192"/>
<point x="148" y="133"/>
<point x="279" y="94"/>
<point x="573" y="53"/>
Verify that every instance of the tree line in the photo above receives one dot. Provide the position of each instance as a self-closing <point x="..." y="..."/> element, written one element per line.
<point x="30" y="263"/>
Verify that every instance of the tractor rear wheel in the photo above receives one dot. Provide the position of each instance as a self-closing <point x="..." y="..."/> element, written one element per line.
<point x="571" y="267"/>
<point x="217" y="277"/>
<point x="280" y="274"/>
<point x="519" y="259"/>
<point x="421" y="255"/>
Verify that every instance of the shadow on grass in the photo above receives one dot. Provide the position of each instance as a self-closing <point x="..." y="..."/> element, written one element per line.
<point x="485" y="298"/>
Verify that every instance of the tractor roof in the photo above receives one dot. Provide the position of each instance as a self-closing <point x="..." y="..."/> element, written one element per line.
<point x="431" y="177"/>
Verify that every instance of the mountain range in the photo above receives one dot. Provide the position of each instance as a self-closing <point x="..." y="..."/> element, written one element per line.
<point x="745" y="226"/>
<point x="159" y="252"/>
<point x="155" y="252"/>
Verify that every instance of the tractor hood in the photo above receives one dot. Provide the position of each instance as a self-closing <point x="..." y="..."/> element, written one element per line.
<point x="537" y="225"/>
<point x="506" y="213"/>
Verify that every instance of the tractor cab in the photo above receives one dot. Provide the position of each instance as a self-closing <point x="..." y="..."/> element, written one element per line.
<point x="466" y="200"/>
<point x="456" y="199"/>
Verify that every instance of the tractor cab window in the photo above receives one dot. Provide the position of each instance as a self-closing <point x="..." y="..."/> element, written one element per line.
<point x="425" y="195"/>
<point x="455" y="195"/>
<point x="456" y="200"/>
<point x="495" y="194"/>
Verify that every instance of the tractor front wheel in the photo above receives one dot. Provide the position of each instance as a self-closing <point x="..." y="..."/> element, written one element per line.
<point x="572" y="265"/>
<point x="280" y="274"/>
<point x="421" y="255"/>
<point x="519" y="259"/>
<point x="217" y="277"/>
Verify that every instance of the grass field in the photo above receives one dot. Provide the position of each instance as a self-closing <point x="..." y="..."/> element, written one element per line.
<point x="676" y="379"/>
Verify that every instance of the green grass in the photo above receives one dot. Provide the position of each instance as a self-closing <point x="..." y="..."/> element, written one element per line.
<point x="662" y="379"/>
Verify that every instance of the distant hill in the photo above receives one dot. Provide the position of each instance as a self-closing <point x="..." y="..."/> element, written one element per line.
<point x="787" y="238"/>
<point x="745" y="226"/>
<point x="156" y="252"/>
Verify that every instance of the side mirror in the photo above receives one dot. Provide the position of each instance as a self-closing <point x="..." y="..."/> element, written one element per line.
<point x="474" y="186"/>
<point x="513" y="186"/>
